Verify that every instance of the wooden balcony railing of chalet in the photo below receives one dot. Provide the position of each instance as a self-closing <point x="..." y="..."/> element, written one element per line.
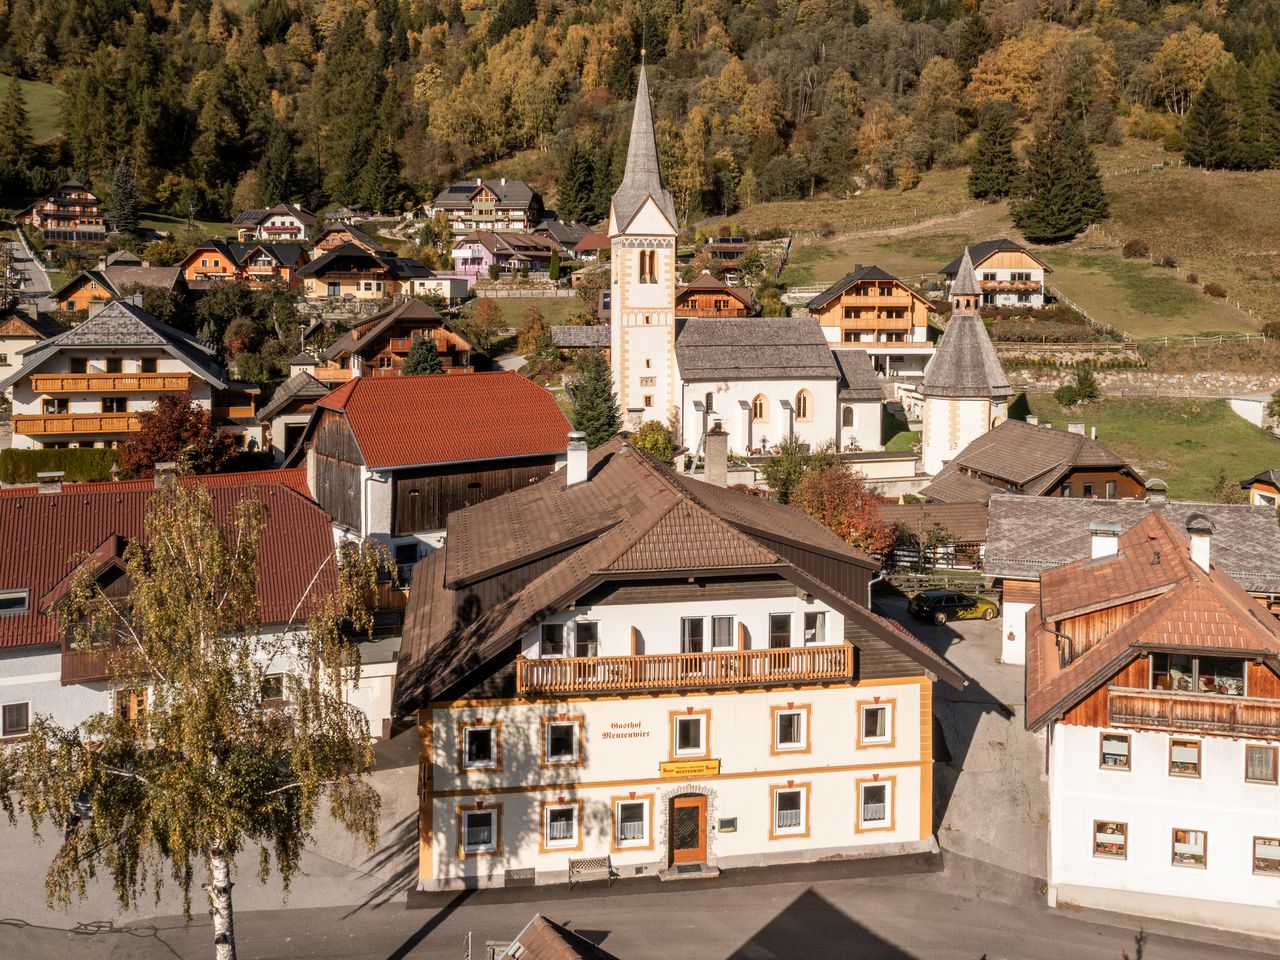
<point x="712" y="313"/>
<point x="685" y="671"/>
<point x="1193" y="712"/>
<point x="332" y="374"/>
<point x="230" y="413"/>
<point x="110" y="382"/>
<point x="44" y="424"/>
<point x="1010" y="286"/>
<point x="85" y="666"/>
<point x="405" y="344"/>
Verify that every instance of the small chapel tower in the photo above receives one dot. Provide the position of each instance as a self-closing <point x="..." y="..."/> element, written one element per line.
<point x="965" y="389"/>
<point x="642" y="243"/>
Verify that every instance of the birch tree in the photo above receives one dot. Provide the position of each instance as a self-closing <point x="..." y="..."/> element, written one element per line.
<point x="206" y="754"/>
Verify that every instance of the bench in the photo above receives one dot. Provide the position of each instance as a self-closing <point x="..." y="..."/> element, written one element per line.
<point x="591" y="868"/>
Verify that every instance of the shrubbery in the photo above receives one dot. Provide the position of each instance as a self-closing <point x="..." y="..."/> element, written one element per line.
<point x="1083" y="390"/>
<point x="1166" y="261"/>
<point x="1215" y="290"/>
<point x="1135" y="249"/>
<point x="77" y="464"/>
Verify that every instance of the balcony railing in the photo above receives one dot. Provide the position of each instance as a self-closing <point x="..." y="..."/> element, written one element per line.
<point x="685" y="671"/>
<point x="85" y="666"/>
<point x="1021" y="286"/>
<point x="1194" y="712"/>
<point x="41" y="424"/>
<point x="332" y="374"/>
<point x="110" y="382"/>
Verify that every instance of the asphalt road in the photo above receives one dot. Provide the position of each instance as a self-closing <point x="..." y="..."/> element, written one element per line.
<point x="36" y="282"/>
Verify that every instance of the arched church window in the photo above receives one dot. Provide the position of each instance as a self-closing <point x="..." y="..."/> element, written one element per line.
<point x="804" y="404"/>
<point x="760" y="409"/>
<point x="846" y="418"/>
<point x="653" y="266"/>
<point x="644" y="263"/>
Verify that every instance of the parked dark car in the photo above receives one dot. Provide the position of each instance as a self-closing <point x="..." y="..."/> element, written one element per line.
<point x="943" y="605"/>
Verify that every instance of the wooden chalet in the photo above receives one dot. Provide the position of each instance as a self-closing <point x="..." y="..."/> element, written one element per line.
<point x="352" y="272"/>
<point x="377" y="346"/>
<point x="336" y="234"/>
<point x="259" y="265"/>
<point x="705" y="296"/>
<point x="870" y="305"/>
<point x="71" y="213"/>
<point x="1008" y="274"/>
<point x="119" y="272"/>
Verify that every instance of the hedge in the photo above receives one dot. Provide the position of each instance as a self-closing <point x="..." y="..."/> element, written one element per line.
<point x="78" y="464"/>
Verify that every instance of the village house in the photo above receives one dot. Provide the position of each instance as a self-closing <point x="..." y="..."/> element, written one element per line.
<point x="20" y="331"/>
<point x="877" y="312"/>
<point x="707" y="297"/>
<point x="951" y="536"/>
<point x="1029" y="535"/>
<point x="50" y="532"/>
<point x="726" y="249"/>
<point x="336" y="234"/>
<point x="378" y="345"/>
<point x="286" y="415"/>
<point x="352" y="272"/>
<point x="86" y="386"/>
<point x="1035" y="460"/>
<point x="391" y="457"/>
<point x="69" y="214"/>
<point x="1008" y="274"/>
<point x="1263" y="488"/>
<point x="281" y="223"/>
<point x="1154" y="675"/>
<point x="259" y="265"/>
<point x="488" y="205"/>
<point x="115" y="274"/>
<point x="622" y="671"/>
<point x="473" y="254"/>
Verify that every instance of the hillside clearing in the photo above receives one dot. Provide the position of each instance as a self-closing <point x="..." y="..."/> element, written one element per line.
<point x="555" y="310"/>
<point x="44" y="108"/>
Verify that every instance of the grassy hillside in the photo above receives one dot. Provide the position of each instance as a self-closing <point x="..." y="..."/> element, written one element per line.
<point x="1186" y="443"/>
<point x="44" y="107"/>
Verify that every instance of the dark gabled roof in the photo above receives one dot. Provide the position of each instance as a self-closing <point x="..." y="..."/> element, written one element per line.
<point x="642" y="178"/>
<point x="368" y="330"/>
<point x="858" y="380"/>
<point x="570" y="336"/>
<point x="510" y="193"/>
<point x="404" y="268"/>
<point x="965" y="364"/>
<point x="1032" y="458"/>
<point x="979" y="252"/>
<point x="40" y="325"/>
<point x="301" y="386"/>
<point x="632" y="516"/>
<point x="706" y="281"/>
<point x="1185" y="608"/>
<point x="859" y="274"/>
<point x="963" y="522"/>
<point x="356" y="234"/>
<point x="78" y="280"/>
<point x="320" y="264"/>
<point x="544" y="939"/>
<point x="1271" y="477"/>
<point x="121" y="324"/>
<point x="565" y="234"/>
<point x="1027" y="535"/>
<point x="282" y="253"/>
<point x="251" y="217"/>
<point x="220" y="246"/>
<point x="753" y="348"/>
<point x="123" y="258"/>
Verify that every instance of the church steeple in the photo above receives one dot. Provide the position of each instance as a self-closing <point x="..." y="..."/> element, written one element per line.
<point x="642" y="178"/>
<point x="966" y="294"/>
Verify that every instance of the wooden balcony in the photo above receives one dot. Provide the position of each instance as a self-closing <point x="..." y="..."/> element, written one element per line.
<point x="332" y="374"/>
<point x="50" y="424"/>
<point x="1193" y="713"/>
<point x="685" y="671"/>
<point x="1010" y="286"/>
<point x="405" y="344"/>
<point x="85" y="666"/>
<point x="110" y="382"/>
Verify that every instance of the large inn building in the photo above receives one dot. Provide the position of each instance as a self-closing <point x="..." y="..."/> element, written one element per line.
<point x="626" y="667"/>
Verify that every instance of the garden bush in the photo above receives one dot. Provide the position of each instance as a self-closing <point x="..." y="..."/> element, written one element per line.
<point x="1192" y="278"/>
<point x="1215" y="290"/>
<point x="77" y="464"/>
<point x="1166" y="261"/>
<point x="1135" y="249"/>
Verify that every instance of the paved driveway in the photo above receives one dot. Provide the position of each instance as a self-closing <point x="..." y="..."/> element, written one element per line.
<point x="35" y="282"/>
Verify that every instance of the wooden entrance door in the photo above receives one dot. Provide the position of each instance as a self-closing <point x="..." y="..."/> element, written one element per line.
<point x="688" y="829"/>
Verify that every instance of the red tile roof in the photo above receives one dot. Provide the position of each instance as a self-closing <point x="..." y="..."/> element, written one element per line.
<point x="46" y="534"/>
<point x="453" y="418"/>
<point x="295" y="478"/>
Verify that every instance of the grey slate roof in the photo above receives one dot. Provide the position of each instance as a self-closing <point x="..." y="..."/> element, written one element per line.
<point x="303" y="359"/>
<point x="301" y="386"/>
<point x="356" y="234"/>
<point x="859" y="273"/>
<point x="642" y="177"/>
<point x="457" y="196"/>
<point x="754" y="348"/>
<point x="1266" y="476"/>
<point x="858" y="380"/>
<point x="952" y="486"/>
<point x="979" y="252"/>
<point x="286" y="253"/>
<point x="1026" y="535"/>
<point x="573" y="337"/>
<point x="965" y="364"/>
<point x="121" y="324"/>
<point x="966" y="281"/>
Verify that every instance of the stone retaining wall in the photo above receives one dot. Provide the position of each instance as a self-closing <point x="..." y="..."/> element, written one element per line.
<point x="1147" y="383"/>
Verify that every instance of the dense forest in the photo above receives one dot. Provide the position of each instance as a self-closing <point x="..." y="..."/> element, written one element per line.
<point x="219" y="105"/>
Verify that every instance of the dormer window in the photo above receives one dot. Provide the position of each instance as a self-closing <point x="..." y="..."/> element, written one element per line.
<point x="1183" y="673"/>
<point x="14" y="601"/>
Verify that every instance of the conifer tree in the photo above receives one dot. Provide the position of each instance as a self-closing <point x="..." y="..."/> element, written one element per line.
<point x="1061" y="191"/>
<point x="275" y="169"/>
<point x="1250" y="146"/>
<point x="1208" y="130"/>
<point x="595" y="406"/>
<point x="15" y="129"/>
<point x="423" y="358"/>
<point x="578" y="186"/>
<point x="380" y="185"/>
<point x="122" y="201"/>
<point x="994" y="169"/>
<point x="975" y="40"/>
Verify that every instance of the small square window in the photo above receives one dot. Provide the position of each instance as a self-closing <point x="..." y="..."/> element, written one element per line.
<point x="722" y="631"/>
<point x="15" y="719"/>
<point x="815" y="627"/>
<point x="552" y="643"/>
<point x="147" y="365"/>
<point x="1184" y="758"/>
<point x="480" y="831"/>
<point x="586" y="638"/>
<point x="790" y="731"/>
<point x="115" y="365"/>
<point x="1114" y="751"/>
<point x="779" y="630"/>
<point x="1110" y="839"/>
<point x="1190" y="848"/>
<point x="115" y="405"/>
<point x="562" y="742"/>
<point x="875" y="806"/>
<point x="876" y="725"/>
<point x="1086" y="490"/>
<point x="690" y="736"/>
<point x="273" y="688"/>
<point x="479" y="748"/>
<point x="1259" y="763"/>
<point x="788" y="811"/>
<point x="631" y="823"/>
<point x="560" y="826"/>
<point x="1266" y="855"/>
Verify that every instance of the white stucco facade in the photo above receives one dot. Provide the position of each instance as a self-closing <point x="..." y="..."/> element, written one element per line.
<point x="1225" y="891"/>
<point x="951" y="423"/>
<point x="33" y="675"/>
<point x="1013" y="631"/>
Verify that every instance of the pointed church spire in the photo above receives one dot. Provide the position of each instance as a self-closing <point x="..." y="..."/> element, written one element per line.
<point x="642" y="178"/>
<point x="966" y="294"/>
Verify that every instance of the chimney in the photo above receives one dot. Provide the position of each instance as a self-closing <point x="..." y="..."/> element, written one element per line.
<point x="1104" y="540"/>
<point x="715" y="456"/>
<point x="1076" y="426"/>
<point x="1157" y="490"/>
<point x="576" y="464"/>
<point x="1093" y="433"/>
<point x="1200" y="533"/>
<point x="1033" y="421"/>
<point x="166" y="471"/>
<point x="95" y="308"/>
<point x="51" y="481"/>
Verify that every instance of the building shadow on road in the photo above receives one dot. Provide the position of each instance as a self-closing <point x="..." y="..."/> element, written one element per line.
<point x="813" y="928"/>
<point x="398" y="851"/>
<point x="440" y="916"/>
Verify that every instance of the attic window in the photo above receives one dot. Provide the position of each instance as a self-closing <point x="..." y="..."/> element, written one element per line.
<point x="14" y="601"/>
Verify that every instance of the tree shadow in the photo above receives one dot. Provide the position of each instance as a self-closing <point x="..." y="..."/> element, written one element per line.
<point x="399" y="844"/>
<point x="440" y="916"/>
<point x="813" y="928"/>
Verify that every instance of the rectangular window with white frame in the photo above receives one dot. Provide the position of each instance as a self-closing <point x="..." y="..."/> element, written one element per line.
<point x="563" y="745"/>
<point x="722" y="632"/>
<point x="790" y="811"/>
<point x="815" y="627"/>
<point x="1260" y="763"/>
<point x="875" y="724"/>
<point x="875" y="804"/>
<point x="631" y="823"/>
<point x="586" y="638"/>
<point x="1190" y="848"/>
<point x="14" y="601"/>
<point x="480" y="746"/>
<point x="692" y="634"/>
<point x="790" y="729"/>
<point x="1114" y="751"/>
<point x="15" y="719"/>
<point x="1266" y="856"/>
<point x="1110" y="839"/>
<point x="478" y="831"/>
<point x="690" y="735"/>
<point x="560" y="826"/>
<point x="551" y="643"/>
